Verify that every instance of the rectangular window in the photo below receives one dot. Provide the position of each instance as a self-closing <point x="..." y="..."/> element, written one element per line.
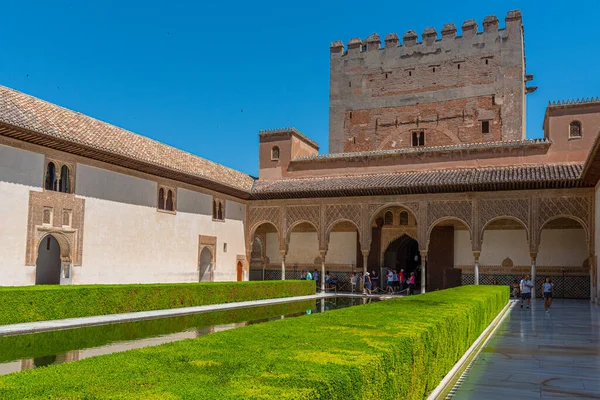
<point x="485" y="126"/>
<point x="418" y="138"/>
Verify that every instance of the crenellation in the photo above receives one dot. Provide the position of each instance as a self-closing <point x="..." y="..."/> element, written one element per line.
<point x="490" y="24"/>
<point x="391" y="40"/>
<point x="513" y="15"/>
<point x="373" y="42"/>
<point x="469" y="28"/>
<point x="337" y="48"/>
<point x="355" y="46"/>
<point x="429" y="36"/>
<point x="410" y="38"/>
<point x="449" y="31"/>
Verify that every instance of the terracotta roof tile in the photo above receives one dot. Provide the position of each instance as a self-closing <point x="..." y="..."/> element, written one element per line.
<point x="476" y="179"/>
<point x="24" y="111"/>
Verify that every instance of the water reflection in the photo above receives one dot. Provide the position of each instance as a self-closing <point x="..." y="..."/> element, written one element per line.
<point x="37" y="350"/>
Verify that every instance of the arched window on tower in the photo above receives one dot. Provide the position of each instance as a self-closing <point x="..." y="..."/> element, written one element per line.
<point x="169" y="203"/>
<point x="575" y="129"/>
<point x="388" y="218"/>
<point x="64" y="185"/>
<point x="214" y="209"/>
<point x="275" y="153"/>
<point x="220" y="212"/>
<point x="404" y="218"/>
<point x="161" y="199"/>
<point x="50" y="177"/>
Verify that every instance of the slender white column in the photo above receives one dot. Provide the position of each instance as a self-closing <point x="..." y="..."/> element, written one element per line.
<point x="476" y="257"/>
<point x="423" y="272"/>
<point x="282" y="265"/>
<point x="323" y="271"/>
<point x="533" y="274"/>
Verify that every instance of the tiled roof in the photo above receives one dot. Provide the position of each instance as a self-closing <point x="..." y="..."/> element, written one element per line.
<point x="271" y="132"/>
<point x="23" y="111"/>
<point x="431" y="149"/>
<point x="460" y="180"/>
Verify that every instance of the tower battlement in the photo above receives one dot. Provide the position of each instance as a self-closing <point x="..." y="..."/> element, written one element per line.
<point x="428" y="37"/>
<point x="438" y="89"/>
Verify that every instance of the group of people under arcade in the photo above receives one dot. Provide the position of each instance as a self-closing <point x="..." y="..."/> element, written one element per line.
<point x="396" y="282"/>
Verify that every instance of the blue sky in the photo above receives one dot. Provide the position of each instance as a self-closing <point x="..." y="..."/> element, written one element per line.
<point x="207" y="77"/>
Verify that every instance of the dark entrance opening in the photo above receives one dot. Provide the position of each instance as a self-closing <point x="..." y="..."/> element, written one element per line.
<point x="402" y="253"/>
<point x="47" y="266"/>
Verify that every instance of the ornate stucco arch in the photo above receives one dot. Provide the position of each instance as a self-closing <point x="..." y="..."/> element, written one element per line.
<point x="374" y="209"/>
<point x="584" y="226"/>
<point x="333" y="224"/>
<point x="291" y="227"/>
<point x="524" y="224"/>
<point x="63" y="243"/>
<point x="444" y="219"/>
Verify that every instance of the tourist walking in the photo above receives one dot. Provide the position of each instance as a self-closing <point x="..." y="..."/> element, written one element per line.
<point x="374" y="280"/>
<point x="401" y="280"/>
<point x="353" y="282"/>
<point x="525" y="287"/>
<point x="390" y="281"/>
<point x="395" y="280"/>
<point x="315" y="276"/>
<point x="367" y="284"/>
<point x="411" y="284"/>
<point x="547" y="287"/>
<point x="308" y="276"/>
<point x="515" y="290"/>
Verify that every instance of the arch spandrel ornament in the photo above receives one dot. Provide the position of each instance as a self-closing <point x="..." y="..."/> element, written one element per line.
<point x="335" y="213"/>
<point x="258" y="215"/>
<point x="577" y="208"/>
<point x="295" y="215"/>
<point x="373" y="210"/>
<point x="490" y="210"/>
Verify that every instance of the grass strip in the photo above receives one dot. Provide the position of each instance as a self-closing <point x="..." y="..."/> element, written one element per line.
<point x="42" y="303"/>
<point x="387" y="350"/>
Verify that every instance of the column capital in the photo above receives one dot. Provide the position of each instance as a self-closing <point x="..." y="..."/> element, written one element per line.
<point x="476" y="255"/>
<point x="533" y="255"/>
<point x="283" y="253"/>
<point x="322" y="253"/>
<point x="423" y="254"/>
<point x="364" y="252"/>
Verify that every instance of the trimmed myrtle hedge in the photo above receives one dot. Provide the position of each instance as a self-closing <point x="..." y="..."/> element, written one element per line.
<point x="58" y="342"/>
<point x="42" y="303"/>
<point x="387" y="350"/>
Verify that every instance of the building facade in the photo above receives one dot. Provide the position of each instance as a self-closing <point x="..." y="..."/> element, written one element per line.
<point x="429" y="171"/>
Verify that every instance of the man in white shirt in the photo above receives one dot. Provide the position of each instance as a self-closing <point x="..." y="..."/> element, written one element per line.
<point x="526" y="286"/>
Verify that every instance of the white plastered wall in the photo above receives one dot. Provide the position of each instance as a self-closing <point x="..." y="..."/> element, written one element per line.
<point x="13" y="235"/>
<point x="304" y="248"/>
<point x="125" y="243"/>
<point x="558" y="247"/>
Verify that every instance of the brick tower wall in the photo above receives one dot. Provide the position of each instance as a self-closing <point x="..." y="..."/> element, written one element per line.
<point x="445" y="87"/>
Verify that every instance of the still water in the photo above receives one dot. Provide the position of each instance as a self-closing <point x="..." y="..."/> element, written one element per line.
<point x="37" y="350"/>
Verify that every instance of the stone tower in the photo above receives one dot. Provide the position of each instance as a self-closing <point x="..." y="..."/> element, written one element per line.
<point x="437" y="92"/>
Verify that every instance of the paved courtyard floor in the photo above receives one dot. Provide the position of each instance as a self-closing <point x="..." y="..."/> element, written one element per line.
<point x="535" y="354"/>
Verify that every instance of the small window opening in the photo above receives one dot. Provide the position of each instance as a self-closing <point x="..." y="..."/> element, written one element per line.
<point x="485" y="126"/>
<point x="404" y="218"/>
<point x="51" y="177"/>
<point x="224" y="247"/>
<point x="388" y="218"/>
<point x="575" y="129"/>
<point x="409" y="73"/>
<point x="418" y="138"/>
<point x="494" y="99"/>
<point x="275" y="154"/>
<point x="161" y="199"/>
<point x="385" y="76"/>
<point x="169" y="202"/>
<point x="434" y="70"/>
<point x="350" y="114"/>
<point x="64" y="185"/>
<point x="220" y="212"/>
<point x="354" y="140"/>
<point x="458" y="66"/>
<point x="214" y="209"/>
<point x="486" y="61"/>
<point x="349" y="84"/>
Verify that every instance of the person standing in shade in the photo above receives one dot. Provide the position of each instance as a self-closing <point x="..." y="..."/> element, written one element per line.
<point x="374" y="280"/>
<point x="395" y="280"/>
<point x="401" y="280"/>
<point x="526" y="286"/>
<point x="308" y="276"/>
<point x="411" y="284"/>
<point x="390" y="281"/>
<point x="315" y="276"/>
<point x="353" y="281"/>
<point x="547" y="287"/>
<point x="367" y="284"/>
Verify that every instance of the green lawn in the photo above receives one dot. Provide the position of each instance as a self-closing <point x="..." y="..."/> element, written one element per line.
<point x="40" y="303"/>
<point x="396" y="349"/>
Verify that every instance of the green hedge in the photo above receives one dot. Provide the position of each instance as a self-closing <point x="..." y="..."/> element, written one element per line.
<point x="386" y="350"/>
<point x="61" y="341"/>
<point x="42" y="303"/>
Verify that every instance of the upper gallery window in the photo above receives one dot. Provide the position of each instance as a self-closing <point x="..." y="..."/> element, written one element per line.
<point x="218" y="210"/>
<point x="575" y="129"/>
<point x="58" y="178"/>
<point x="166" y="199"/>
<point x="485" y="126"/>
<point x="388" y="218"/>
<point x="275" y="153"/>
<point x="418" y="138"/>
<point x="404" y="218"/>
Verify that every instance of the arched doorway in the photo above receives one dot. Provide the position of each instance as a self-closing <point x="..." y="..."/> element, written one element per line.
<point x="206" y="260"/>
<point x="47" y="266"/>
<point x="402" y="253"/>
<point x="240" y="271"/>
